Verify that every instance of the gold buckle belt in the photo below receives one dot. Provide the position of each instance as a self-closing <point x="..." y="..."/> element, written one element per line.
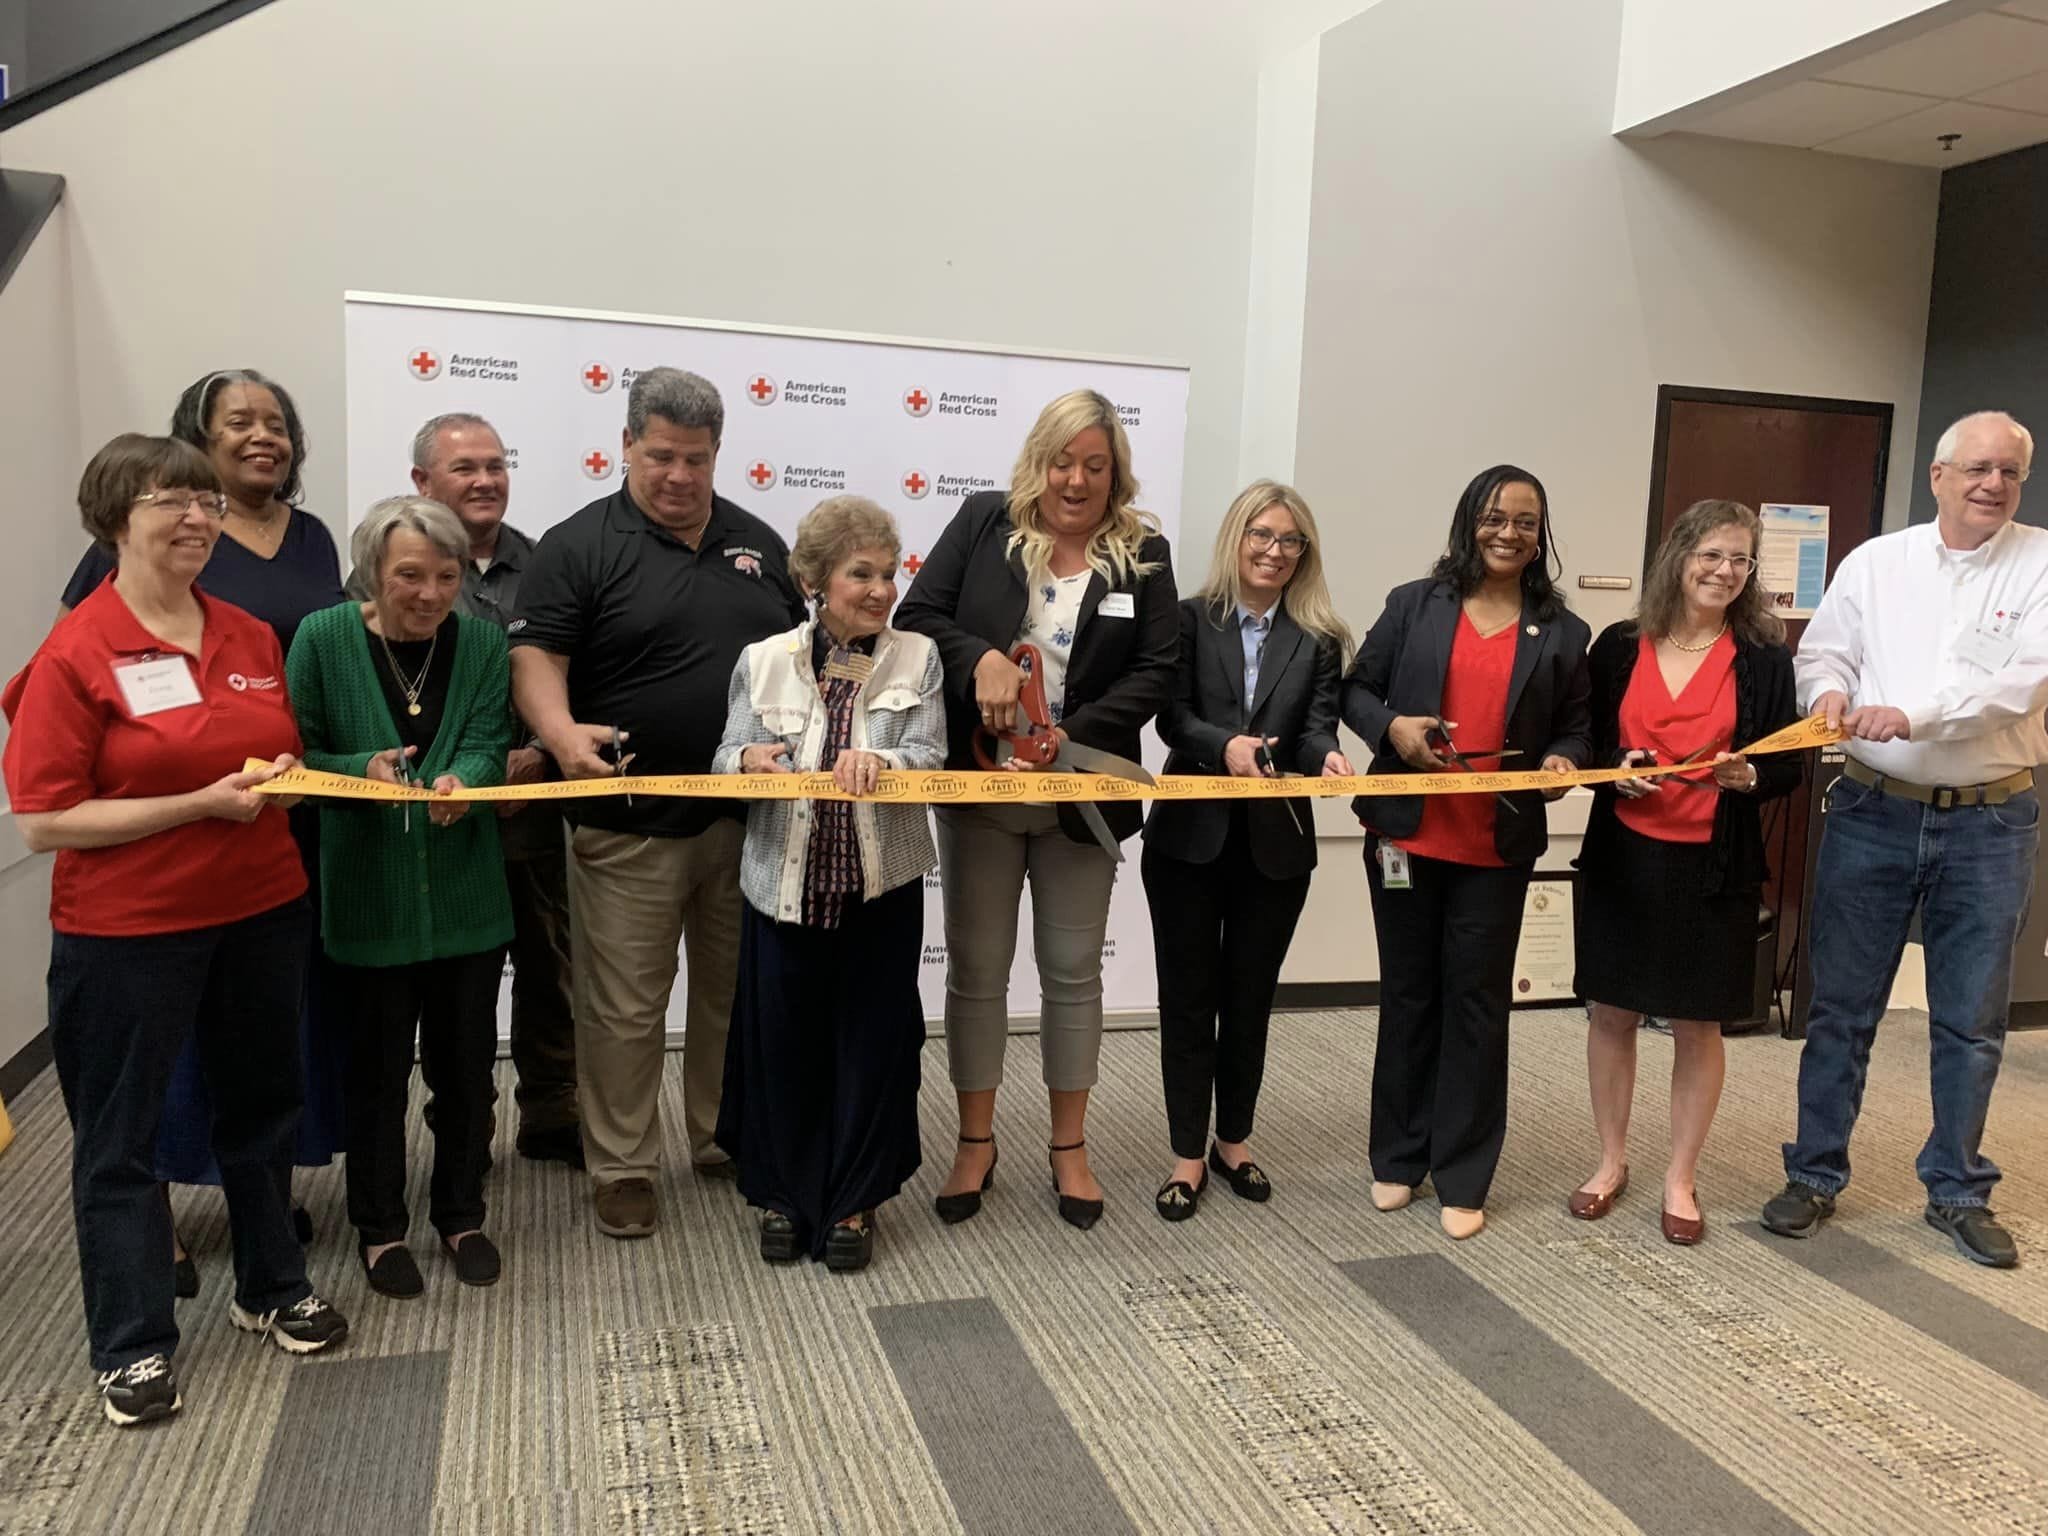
<point x="1941" y="796"/>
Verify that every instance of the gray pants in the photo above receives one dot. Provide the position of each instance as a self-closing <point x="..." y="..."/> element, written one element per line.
<point x="985" y="854"/>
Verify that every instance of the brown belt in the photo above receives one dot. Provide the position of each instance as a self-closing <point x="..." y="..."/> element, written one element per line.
<point x="1941" y="796"/>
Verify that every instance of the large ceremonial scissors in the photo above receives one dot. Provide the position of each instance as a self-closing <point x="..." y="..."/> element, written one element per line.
<point x="1040" y="744"/>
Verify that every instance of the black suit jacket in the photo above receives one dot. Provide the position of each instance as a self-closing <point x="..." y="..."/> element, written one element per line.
<point x="1297" y="702"/>
<point x="970" y="596"/>
<point x="1400" y="671"/>
<point x="1766" y="700"/>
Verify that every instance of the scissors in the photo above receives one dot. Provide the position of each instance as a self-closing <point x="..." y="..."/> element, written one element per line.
<point x="1463" y="760"/>
<point x="1039" y="743"/>
<point x="1690" y="757"/>
<point x="1262" y="759"/>
<point x="402" y="770"/>
<point x="619" y="762"/>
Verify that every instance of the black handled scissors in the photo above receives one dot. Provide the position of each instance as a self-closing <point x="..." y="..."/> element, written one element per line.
<point x="1691" y="757"/>
<point x="1463" y="760"/>
<point x="619" y="756"/>
<point x="1262" y="759"/>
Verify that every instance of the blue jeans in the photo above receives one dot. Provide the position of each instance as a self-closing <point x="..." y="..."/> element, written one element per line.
<point x="1967" y="870"/>
<point x="121" y="1009"/>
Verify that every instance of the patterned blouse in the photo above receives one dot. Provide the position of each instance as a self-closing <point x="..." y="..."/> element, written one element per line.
<point x="832" y="873"/>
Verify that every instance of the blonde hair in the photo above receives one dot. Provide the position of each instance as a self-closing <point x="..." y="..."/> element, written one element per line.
<point x="1306" y="597"/>
<point x="1663" y="603"/>
<point x="1115" y="545"/>
<point x="831" y="531"/>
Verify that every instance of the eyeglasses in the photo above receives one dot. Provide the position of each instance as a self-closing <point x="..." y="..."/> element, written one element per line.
<point x="1527" y="527"/>
<point x="1292" y="545"/>
<point x="1714" y="559"/>
<point x="1983" y="469"/>
<point x="178" y="503"/>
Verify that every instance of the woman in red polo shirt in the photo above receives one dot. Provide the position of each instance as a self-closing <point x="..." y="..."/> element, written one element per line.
<point x="178" y="904"/>
<point x="1479" y="664"/>
<point x="1673" y="866"/>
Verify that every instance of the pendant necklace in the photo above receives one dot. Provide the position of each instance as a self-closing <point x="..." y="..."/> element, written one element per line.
<point x="411" y="689"/>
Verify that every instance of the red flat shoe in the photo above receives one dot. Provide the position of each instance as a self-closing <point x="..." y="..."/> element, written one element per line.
<point x="1684" y="1232"/>
<point x="1588" y="1206"/>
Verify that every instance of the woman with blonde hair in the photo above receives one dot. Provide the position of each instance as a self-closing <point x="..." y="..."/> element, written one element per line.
<point x="1672" y="866"/>
<point x="1064" y="562"/>
<point x="1261" y="656"/>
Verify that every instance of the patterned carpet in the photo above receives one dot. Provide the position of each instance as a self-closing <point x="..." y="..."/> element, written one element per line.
<point x="1305" y="1366"/>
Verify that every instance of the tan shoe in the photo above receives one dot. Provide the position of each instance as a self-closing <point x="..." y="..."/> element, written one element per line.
<point x="626" y="1208"/>
<point x="1461" y="1223"/>
<point x="1390" y="1197"/>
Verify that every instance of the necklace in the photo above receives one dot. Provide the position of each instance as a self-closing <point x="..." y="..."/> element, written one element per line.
<point x="1679" y="645"/>
<point x="411" y="689"/>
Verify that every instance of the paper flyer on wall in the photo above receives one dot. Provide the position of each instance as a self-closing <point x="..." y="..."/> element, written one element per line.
<point x="1792" y="562"/>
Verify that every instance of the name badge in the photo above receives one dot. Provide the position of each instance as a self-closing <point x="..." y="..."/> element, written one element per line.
<point x="1393" y="867"/>
<point x="1118" y="605"/>
<point x="1989" y="646"/>
<point x="151" y="687"/>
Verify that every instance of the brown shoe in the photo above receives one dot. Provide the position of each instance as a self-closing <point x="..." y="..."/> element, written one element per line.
<point x="625" y="1208"/>
<point x="1588" y="1206"/>
<point x="1684" y="1232"/>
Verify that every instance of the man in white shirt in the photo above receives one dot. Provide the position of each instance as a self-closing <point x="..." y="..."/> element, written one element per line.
<point x="1930" y="649"/>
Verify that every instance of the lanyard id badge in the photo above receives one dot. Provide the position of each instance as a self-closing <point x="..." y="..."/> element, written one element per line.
<point x="1393" y="867"/>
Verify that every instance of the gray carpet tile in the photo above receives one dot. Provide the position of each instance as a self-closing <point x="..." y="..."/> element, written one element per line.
<point x="355" y="1448"/>
<point x="1223" y="1375"/>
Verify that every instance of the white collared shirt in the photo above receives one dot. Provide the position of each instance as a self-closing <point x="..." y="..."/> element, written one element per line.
<point x="1958" y="639"/>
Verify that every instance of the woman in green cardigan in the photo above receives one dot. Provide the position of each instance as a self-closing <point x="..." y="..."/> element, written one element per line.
<point x="414" y="909"/>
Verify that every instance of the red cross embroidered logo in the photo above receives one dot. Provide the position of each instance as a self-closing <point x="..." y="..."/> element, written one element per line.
<point x="917" y="402"/>
<point x="596" y="378"/>
<point x="423" y="365"/>
<point x="915" y="486"/>
<point x="761" y="475"/>
<point x="762" y="390"/>
<point x="597" y="464"/>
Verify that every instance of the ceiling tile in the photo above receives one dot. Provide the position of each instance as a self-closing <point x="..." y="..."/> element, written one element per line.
<point x="1807" y="112"/>
<point x="1959" y="59"/>
<point x="1911" y="140"/>
<point x="2027" y="95"/>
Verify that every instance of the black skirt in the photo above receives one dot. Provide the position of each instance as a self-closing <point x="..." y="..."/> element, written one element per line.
<point x="822" y="1065"/>
<point x="1652" y="939"/>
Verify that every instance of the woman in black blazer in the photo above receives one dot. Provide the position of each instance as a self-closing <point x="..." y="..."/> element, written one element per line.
<point x="1483" y="655"/>
<point x="1668" y="911"/>
<point x="1066" y="562"/>
<point x="1261" y="651"/>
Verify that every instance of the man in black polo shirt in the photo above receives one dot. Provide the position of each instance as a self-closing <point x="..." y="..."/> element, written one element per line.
<point x="631" y="618"/>
<point x="459" y="460"/>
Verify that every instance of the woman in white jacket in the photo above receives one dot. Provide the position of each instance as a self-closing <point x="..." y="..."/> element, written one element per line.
<point x="821" y="1071"/>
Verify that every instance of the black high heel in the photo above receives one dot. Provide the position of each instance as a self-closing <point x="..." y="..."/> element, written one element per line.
<point x="954" y="1209"/>
<point x="1074" y="1211"/>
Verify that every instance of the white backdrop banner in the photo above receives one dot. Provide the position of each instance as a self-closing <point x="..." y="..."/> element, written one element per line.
<point x="916" y="425"/>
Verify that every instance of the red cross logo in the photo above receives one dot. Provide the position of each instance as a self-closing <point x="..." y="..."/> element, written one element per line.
<point x="913" y="564"/>
<point x="597" y="464"/>
<point x="762" y="390"/>
<point x="596" y="378"/>
<point x="917" y="402"/>
<point x="761" y="475"/>
<point x="423" y="365"/>
<point x="915" y="485"/>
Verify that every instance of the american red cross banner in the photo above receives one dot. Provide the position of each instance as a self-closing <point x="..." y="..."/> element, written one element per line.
<point x="916" y="425"/>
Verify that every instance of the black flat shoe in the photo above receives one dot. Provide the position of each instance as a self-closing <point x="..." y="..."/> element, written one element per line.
<point x="394" y="1274"/>
<point x="850" y="1244"/>
<point x="563" y="1144"/>
<point x="1177" y="1199"/>
<point x="1074" y="1211"/>
<point x="302" y="1225"/>
<point x="1247" y="1180"/>
<point x="954" y="1209"/>
<point x="476" y="1259"/>
<point x="778" y="1238"/>
<point x="185" y="1278"/>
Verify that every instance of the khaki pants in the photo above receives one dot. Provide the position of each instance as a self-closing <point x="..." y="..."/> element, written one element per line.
<point x="631" y="899"/>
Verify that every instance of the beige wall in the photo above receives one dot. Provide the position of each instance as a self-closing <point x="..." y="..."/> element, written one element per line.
<point x="39" y="446"/>
<point x="1493" y="276"/>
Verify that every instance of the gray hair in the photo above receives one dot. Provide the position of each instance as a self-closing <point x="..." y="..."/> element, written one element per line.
<point x="424" y="516"/>
<point x="679" y="398"/>
<point x="1945" y="449"/>
<point x="424" y="440"/>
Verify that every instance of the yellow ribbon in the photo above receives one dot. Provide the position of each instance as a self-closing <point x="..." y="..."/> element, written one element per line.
<point x="944" y="786"/>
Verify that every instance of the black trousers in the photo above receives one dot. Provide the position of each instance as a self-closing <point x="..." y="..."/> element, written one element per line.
<point x="1440" y="1073"/>
<point x="452" y="1005"/>
<point x="543" y="1018"/>
<point x="121" y="1010"/>
<point x="1219" y="932"/>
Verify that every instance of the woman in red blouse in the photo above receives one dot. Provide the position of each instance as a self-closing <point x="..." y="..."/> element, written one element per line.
<point x="178" y="904"/>
<point x="1482" y="658"/>
<point x="1672" y="866"/>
